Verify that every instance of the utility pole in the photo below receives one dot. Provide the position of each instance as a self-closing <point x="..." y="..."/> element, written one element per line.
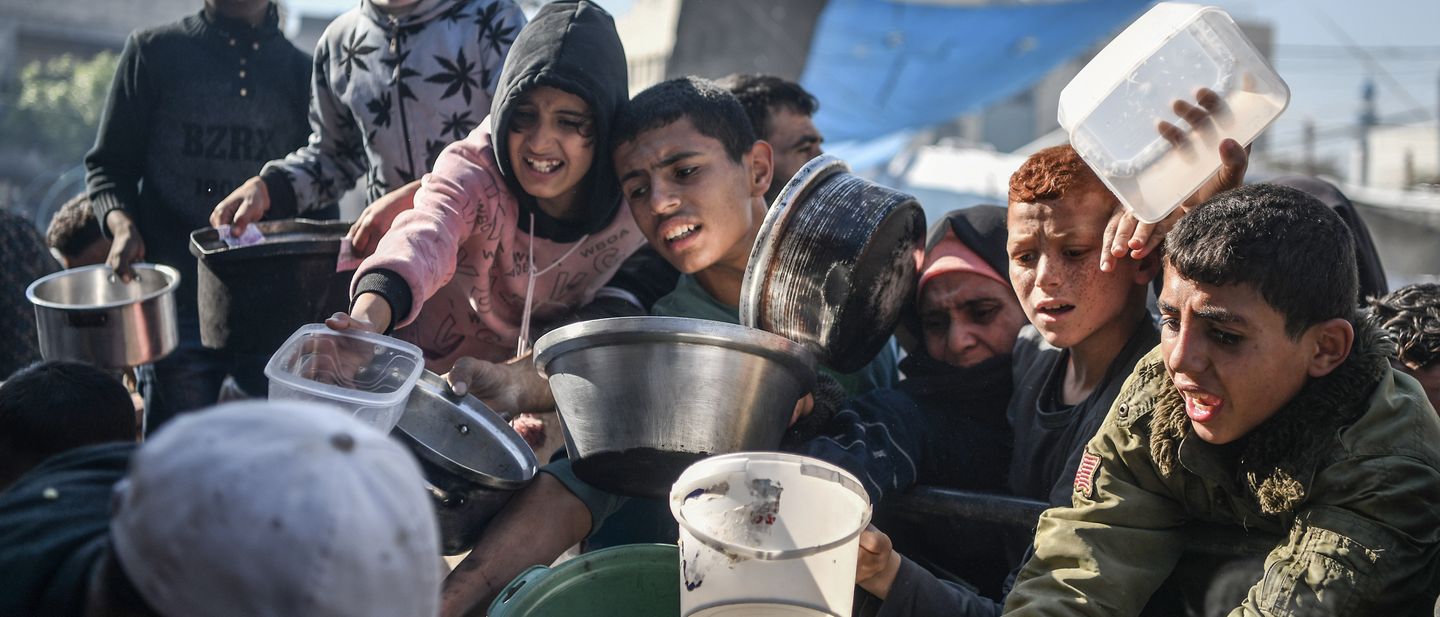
<point x="1367" y="120"/>
<point x="1308" y="160"/>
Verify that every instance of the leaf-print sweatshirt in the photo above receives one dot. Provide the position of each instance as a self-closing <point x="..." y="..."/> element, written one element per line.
<point x="389" y="93"/>
<point x="464" y="253"/>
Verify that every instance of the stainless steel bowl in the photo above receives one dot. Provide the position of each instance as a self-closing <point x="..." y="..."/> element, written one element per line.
<point x="834" y="263"/>
<point x="473" y="461"/>
<point x="640" y="398"/>
<point x="89" y="315"/>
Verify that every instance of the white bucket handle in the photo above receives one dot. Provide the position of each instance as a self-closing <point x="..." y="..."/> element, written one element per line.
<point x="739" y="461"/>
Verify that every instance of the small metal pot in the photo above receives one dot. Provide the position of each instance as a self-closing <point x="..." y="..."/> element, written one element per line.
<point x="89" y="315"/>
<point x="834" y="263"/>
<point x="641" y="398"/>
<point x="472" y="460"/>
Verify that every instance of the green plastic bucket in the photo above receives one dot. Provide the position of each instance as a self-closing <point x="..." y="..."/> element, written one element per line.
<point x="635" y="580"/>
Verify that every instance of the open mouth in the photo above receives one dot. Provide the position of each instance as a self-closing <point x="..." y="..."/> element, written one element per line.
<point x="1200" y="406"/>
<point x="544" y="166"/>
<point x="1054" y="309"/>
<point x="678" y="233"/>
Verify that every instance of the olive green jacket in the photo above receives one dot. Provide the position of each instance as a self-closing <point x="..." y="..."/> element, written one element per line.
<point x="1347" y="474"/>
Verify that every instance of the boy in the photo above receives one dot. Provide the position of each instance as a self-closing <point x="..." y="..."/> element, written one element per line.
<point x="694" y="177"/>
<point x="195" y="107"/>
<point x="1265" y="407"/>
<point x="1411" y="315"/>
<point x="1088" y="329"/>
<point x="74" y="237"/>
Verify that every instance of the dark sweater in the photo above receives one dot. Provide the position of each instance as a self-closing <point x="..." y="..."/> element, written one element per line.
<point x="195" y="109"/>
<point x="54" y="522"/>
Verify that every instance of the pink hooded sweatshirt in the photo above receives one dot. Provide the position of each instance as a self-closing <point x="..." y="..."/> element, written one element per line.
<point x="467" y="262"/>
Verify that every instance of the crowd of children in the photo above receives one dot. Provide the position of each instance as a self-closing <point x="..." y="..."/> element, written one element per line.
<point x="1275" y="393"/>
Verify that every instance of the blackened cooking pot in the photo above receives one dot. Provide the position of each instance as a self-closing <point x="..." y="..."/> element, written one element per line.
<point x="834" y="263"/>
<point x="252" y="298"/>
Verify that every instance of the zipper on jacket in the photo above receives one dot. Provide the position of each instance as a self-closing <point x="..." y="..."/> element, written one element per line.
<point x="394" y="35"/>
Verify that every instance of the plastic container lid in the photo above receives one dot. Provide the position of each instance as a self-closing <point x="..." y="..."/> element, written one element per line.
<point x="1112" y="107"/>
<point x="367" y="374"/>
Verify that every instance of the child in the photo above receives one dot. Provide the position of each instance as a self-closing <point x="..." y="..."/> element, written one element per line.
<point x="395" y="81"/>
<point x="1266" y="407"/>
<point x="1088" y="329"/>
<point x="1411" y="315"/>
<point x="520" y="221"/>
<point x="74" y="237"/>
<point x="694" y="178"/>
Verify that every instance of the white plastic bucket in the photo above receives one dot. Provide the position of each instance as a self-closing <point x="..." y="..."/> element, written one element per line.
<point x="768" y="534"/>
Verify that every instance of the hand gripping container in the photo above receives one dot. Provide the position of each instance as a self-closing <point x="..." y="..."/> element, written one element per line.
<point x="1113" y="107"/>
<point x="365" y="374"/>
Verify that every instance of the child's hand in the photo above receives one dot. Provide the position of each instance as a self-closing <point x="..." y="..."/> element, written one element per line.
<point x="1125" y="235"/>
<point x="245" y="205"/>
<point x="803" y="407"/>
<point x="509" y="389"/>
<point x="878" y="564"/>
<point x="377" y="217"/>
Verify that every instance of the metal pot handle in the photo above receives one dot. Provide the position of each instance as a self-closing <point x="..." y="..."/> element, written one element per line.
<point x="115" y="278"/>
<point x="445" y="498"/>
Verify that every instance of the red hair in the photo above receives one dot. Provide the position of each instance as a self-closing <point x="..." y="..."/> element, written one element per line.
<point x="1051" y="173"/>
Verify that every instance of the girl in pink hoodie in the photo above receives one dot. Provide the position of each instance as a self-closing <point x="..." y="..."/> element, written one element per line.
<point x="519" y="223"/>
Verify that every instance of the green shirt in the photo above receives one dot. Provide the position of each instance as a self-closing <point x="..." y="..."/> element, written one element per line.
<point x="691" y="300"/>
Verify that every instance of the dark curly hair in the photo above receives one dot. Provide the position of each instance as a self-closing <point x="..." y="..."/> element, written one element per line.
<point x="73" y="228"/>
<point x="712" y="110"/>
<point x="763" y="94"/>
<point x="1411" y="316"/>
<point x="1295" y="251"/>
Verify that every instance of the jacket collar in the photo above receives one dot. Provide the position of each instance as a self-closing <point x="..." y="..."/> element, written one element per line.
<point x="228" y="26"/>
<point x="1277" y="461"/>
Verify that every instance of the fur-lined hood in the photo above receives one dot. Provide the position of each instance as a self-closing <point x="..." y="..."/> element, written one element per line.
<point x="1279" y="459"/>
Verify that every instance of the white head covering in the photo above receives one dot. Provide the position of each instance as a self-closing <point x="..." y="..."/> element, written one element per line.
<point x="277" y="509"/>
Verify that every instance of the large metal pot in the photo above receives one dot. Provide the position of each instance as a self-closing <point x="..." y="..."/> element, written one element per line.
<point x="835" y="260"/>
<point x="251" y="298"/>
<point x="472" y="460"/>
<point x="641" y="398"/>
<point x="89" y="315"/>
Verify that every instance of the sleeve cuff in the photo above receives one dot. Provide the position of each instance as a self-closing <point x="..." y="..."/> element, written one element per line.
<point x="601" y="504"/>
<point x="282" y="194"/>
<point x="390" y="286"/>
<point x="102" y="204"/>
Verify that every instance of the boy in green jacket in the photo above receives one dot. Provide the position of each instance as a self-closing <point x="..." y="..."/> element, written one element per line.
<point x="1267" y="407"/>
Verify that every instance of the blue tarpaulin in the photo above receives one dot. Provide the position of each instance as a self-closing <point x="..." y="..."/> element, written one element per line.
<point x="884" y="66"/>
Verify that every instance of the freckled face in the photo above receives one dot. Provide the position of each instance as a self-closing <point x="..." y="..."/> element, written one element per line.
<point x="1054" y="249"/>
<point x="968" y="318"/>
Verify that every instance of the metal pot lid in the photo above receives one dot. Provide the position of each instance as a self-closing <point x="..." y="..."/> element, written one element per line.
<point x="463" y="436"/>
<point x="283" y="237"/>
<point x="629" y="330"/>
<point x="95" y="287"/>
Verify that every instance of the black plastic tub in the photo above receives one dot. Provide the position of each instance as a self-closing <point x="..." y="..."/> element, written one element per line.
<point x="252" y="298"/>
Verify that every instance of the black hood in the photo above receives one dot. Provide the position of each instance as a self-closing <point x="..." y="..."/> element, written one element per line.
<point x="982" y="229"/>
<point x="571" y="46"/>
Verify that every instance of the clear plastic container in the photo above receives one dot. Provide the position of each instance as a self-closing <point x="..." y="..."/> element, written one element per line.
<point x="366" y="374"/>
<point x="1113" y="107"/>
